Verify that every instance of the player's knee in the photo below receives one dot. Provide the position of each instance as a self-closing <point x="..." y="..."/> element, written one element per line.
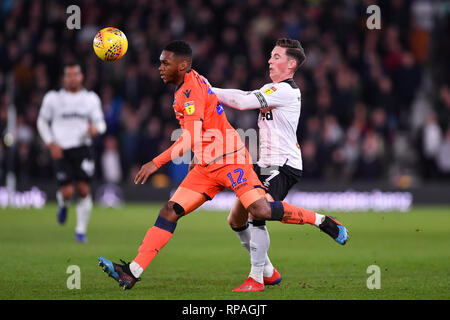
<point x="171" y="211"/>
<point x="179" y="210"/>
<point x="83" y="190"/>
<point x="230" y="219"/>
<point x="260" y="209"/>
<point x="235" y="221"/>
<point x="67" y="192"/>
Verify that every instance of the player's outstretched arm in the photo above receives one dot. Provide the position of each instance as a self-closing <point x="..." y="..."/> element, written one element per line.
<point x="237" y="99"/>
<point x="146" y="171"/>
<point x="190" y="138"/>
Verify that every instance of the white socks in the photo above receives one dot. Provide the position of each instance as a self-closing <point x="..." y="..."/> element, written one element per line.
<point x="261" y="265"/>
<point x="83" y="209"/>
<point x="256" y="272"/>
<point x="136" y="269"/>
<point x="319" y="219"/>
<point x="244" y="236"/>
<point x="61" y="202"/>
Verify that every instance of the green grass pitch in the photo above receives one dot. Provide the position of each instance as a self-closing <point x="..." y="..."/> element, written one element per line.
<point x="205" y="261"/>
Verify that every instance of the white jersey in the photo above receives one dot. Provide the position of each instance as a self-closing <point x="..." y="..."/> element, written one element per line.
<point x="278" y="126"/>
<point x="65" y="116"/>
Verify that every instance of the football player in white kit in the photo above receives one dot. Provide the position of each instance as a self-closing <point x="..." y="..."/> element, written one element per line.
<point x="68" y="119"/>
<point x="279" y="166"/>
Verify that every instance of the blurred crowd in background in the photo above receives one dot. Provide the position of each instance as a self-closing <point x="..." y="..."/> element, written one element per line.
<point x="375" y="103"/>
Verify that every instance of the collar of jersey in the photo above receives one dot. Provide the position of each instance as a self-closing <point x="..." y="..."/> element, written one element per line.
<point x="69" y="92"/>
<point x="183" y="81"/>
<point x="291" y="82"/>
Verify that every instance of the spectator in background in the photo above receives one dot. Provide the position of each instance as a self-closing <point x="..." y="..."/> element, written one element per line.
<point x="150" y="140"/>
<point x="370" y="165"/>
<point x="431" y="142"/>
<point x="129" y="137"/>
<point x="111" y="108"/>
<point x="23" y="163"/>
<point x="350" y="70"/>
<point x="351" y="152"/>
<point x="110" y="160"/>
<point x="407" y="79"/>
<point x="378" y="121"/>
<point x="345" y="93"/>
<point x="443" y="106"/>
<point x="443" y="157"/>
<point x="312" y="169"/>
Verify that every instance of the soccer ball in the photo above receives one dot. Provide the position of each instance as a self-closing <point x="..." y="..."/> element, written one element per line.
<point x="110" y="44"/>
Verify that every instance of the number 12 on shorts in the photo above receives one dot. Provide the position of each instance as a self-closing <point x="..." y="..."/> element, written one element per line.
<point x="239" y="179"/>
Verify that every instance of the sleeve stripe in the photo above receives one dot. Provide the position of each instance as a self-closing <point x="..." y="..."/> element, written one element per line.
<point x="261" y="99"/>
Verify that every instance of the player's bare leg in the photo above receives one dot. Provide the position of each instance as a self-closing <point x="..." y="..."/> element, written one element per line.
<point x="181" y="203"/>
<point x="238" y="216"/>
<point x="63" y="196"/>
<point x="83" y="210"/>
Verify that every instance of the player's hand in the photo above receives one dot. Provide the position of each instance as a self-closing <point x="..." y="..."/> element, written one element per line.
<point x="91" y="130"/>
<point x="55" y="151"/>
<point x="146" y="171"/>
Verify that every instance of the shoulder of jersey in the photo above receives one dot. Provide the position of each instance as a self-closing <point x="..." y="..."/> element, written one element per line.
<point x="193" y="82"/>
<point x="285" y="86"/>
<point x="291" y="83"/>
<point x="272" y="88"/>
<point x="51" y="93"/>
<point x="92" y="94"/>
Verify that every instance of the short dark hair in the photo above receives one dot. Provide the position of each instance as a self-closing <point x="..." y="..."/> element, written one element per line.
<point x="72" y="64"/>
<point x="180" y="48"/>
<point x="294" y="50"/>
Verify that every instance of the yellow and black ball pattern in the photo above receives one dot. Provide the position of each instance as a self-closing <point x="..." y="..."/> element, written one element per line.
<point x="110" y="44"/>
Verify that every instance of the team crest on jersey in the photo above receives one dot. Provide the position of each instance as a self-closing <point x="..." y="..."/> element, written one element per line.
<point x="270" y="90"/>
<point x="190" y="107"/>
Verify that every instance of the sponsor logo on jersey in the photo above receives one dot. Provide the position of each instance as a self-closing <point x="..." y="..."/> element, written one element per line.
<point x="74" y="115"/>
<point x="270" y="90"/>
<point x="187" y="93"/>
<point x="219" y="108"/>
<point x="266" y="115"/>
<point x="190" y="107"/>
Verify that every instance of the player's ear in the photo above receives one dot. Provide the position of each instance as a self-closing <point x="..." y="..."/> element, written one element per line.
<point x="183" y="65"/>
<point x="292" y="64"/>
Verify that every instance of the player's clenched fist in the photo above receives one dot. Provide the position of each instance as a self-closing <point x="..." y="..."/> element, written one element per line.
<point x="146" y="171"/>
<point x="55" y="151"/>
